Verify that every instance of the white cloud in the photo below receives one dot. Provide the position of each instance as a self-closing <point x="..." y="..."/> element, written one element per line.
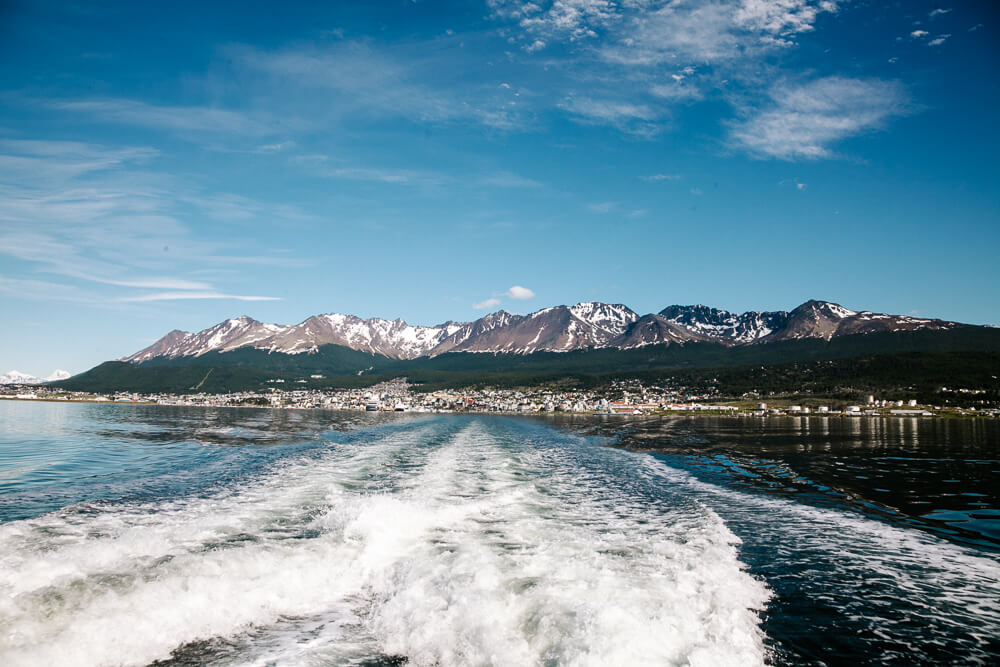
<point x="520" y="293"/>
<point x="782" y="17"/>
<point x="644" y="32"/>
<point x="800" y="186"/>
<point x="488" y="303"/>
<point x="939" y="12"/>
<point x="917" y="34"/>
<point x="938" y="41"/>
<point x="175" y="296"/>
<point x="653" y="178"/>
<point x="804" y="120"/>
<point x="567" y="19"/>
<point x="693" y="34"/>
<point x="601" y="207"/>
<point x="639" y="58"/>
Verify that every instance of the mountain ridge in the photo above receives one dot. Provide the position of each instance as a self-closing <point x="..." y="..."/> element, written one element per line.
<point x="589" y="324"/>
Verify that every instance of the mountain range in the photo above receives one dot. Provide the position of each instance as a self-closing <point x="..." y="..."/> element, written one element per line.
<point x="588" y="325"/>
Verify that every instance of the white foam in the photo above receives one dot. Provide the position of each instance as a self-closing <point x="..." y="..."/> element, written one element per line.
<point x="454" y="548"/>
<point x="952" y="588"/>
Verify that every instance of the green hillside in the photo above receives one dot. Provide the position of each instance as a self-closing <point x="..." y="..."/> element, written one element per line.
<point x="876" y="361"/>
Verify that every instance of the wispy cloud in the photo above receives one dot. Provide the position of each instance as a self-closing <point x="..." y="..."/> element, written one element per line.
<point x="939" y="12"/>
<point x="38" y="291"/>
<point x="83" y="212"/>
<point x="49" y="161"/>
<point x="804" y="120"/>
<point x="388" y="175"/>
<point x="601" y="207"/>
<point x="275" y="148"/>
<point x="656" y="178"/>
<point x="939" y="40"/>
<point x="359" y="79"/>
<point x="637" y="119"/>
<point x="487" y="303"/>
<point x="508" y="179"/>
<point x="175" y="118"/>
<point x="177" y="296"/>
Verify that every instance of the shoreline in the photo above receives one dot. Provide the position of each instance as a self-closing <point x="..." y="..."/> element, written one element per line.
<point x="703" y="413"/>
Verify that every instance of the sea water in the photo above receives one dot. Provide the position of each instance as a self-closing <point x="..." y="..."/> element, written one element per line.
<point x="132" y="535"/>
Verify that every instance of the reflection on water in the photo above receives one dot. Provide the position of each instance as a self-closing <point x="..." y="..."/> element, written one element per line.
<point x="941" y="475"/>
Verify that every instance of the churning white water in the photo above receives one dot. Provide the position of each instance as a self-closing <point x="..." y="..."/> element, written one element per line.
<point x="444" y="542"/>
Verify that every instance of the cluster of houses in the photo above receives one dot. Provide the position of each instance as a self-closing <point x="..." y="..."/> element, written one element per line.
<point x="623" y="398"/>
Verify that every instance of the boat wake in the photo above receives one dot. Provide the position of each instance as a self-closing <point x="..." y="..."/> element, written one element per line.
<point x="426" y="541"/>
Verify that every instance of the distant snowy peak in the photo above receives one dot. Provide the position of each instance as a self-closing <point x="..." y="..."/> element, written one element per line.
<point x="589" y="324"/>
<point x="17" y="377"/>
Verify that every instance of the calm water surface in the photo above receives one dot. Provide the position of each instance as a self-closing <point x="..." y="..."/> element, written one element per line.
<point x="133" y="535"/>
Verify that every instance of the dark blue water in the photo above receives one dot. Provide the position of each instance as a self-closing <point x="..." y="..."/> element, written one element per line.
<point x="142" y="534"/>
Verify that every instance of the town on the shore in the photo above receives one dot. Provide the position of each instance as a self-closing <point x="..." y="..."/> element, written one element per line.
<point x="625" y="397"/>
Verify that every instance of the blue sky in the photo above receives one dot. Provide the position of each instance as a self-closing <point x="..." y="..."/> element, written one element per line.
<point x="170" y="165"/>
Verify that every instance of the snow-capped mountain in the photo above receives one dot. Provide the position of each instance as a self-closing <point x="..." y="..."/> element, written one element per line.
<point x="556" y="329"/>
<point x="392" y="338"/>
<point x="653" y="329"/>
<point x="722" y="325"/>
<point x="813" y="319"/>
<point x="17" y="377"/>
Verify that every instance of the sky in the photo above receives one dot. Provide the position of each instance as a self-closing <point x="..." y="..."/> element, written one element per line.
<point x="171" y="165"/>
